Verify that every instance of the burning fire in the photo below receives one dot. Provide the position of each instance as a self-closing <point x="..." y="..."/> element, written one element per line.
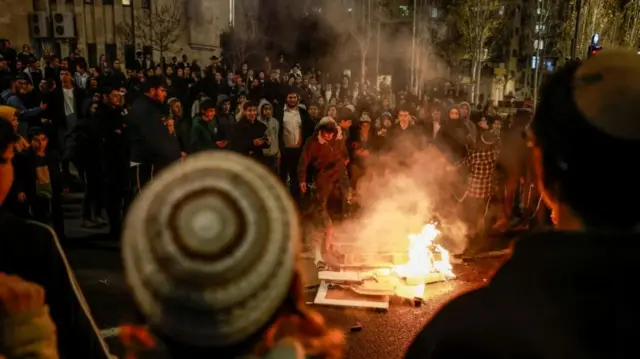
<point x="425" y="257"/>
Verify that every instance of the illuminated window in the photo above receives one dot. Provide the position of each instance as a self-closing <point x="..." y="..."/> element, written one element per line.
<point x="126" y="2"/>
<point x="435" y="12"/>
<point x="538" y="44"/>
<point x="404" y="10"/>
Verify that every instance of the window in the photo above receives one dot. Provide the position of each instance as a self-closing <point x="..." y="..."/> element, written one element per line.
<point x="145" y="4"/>
<point x="126" y="2"/>
<point x="92" y="54"/>
<point x="111" y="50"/>
<point x="107" y="2"/>
<point x="404" y="10"/>
<point x="540" y="28"/>
<point x="435" y="12"/>
<point x="501" y="11"/>
<point x="538" y="44"/>
<point x="534" y="62"/>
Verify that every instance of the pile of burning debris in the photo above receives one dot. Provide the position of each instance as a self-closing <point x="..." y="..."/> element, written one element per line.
<point x="361" y="279"/>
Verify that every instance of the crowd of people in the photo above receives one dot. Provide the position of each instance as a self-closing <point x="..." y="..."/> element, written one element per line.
<point x="120" y="128"/>
<point x="110" y="132"/>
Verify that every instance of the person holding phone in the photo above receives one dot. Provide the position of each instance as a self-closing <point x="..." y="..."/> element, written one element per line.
<point x="249" y="137"/>
<point x="206" y="132"/>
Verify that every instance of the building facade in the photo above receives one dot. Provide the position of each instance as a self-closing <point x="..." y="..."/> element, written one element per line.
<point x="58" y="26"/>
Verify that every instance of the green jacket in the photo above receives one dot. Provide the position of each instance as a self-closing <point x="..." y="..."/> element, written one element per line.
<point x="204" y="135"/>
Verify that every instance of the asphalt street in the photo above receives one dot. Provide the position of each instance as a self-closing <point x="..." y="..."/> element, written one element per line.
<point x="98" y="268"/>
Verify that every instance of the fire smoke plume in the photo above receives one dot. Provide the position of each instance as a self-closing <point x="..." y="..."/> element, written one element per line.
<point x="401" y="191"/>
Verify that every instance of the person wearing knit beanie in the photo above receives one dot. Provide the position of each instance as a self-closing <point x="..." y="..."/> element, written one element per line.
<point x="209" y="252"/>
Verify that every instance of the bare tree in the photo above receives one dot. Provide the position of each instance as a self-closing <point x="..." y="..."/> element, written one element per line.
<point x="244" y="38"/>
<point x="630" y="22"/>
<point x="545" y="18"/>
<point x="597" y="16"/>
<point x="159" y="27"/>
<point x="357" y="19"/>
<point x="478" y="21"/>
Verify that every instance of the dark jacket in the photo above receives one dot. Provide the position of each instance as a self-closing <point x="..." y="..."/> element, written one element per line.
<point x="59" y="118"/>
<point x="204" y="135"/>
<point x="225" y="121"/>
<point x="412" y="137"/>
<point x="32" y="251"/>
<point x="560" y="295"/>
<point x="150" y="141"/>
<point x="25" y="174"/>
<point x="112" y="123"/>
<point x="244" y="133"/>
<point x="454" y="139"/>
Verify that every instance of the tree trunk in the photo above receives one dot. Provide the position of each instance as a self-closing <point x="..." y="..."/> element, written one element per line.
<point x="474" y="66"/>
<point x="478" y="81"/>
<point x="536" y="77"/>
<point x="363" y="65"/>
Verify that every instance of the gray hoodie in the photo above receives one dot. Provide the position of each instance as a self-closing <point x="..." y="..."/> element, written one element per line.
<point x="273" y="126"/>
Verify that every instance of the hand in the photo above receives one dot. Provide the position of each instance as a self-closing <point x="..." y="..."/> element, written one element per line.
<point x="22" y="197"/>
<point x="43" y="105"/>
<point x="303" y="187"/>
<point x="45" y="121"/>
<point x="222" y="144"/>
<point x="346" y="162"/>
<point x="258" y="142"/>
<point x="118" y="131"/>
<point x="362" y="152"/>
<point x="19" y="296"/>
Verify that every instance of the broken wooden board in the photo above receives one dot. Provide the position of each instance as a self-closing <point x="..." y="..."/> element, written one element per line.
<point x="341" y="297"/>
<point x="347" y="276"/>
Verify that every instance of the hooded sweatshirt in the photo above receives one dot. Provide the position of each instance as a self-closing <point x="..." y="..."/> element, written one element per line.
<point x="273" y="126"/>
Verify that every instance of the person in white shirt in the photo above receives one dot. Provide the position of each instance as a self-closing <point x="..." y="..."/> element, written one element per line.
<point x="296" y="126"/>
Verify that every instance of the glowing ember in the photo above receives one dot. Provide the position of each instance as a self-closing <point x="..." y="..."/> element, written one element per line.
<point x="425" y="257"/>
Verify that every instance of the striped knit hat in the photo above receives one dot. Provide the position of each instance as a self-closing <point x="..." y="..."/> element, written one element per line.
<point x="209" y="249"/>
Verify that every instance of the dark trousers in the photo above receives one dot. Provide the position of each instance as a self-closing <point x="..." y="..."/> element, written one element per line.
<point x="49" y="211"/>
<point x="139" y="176"/>
<point x="325" y="187"/>
<point x="474" y="210"/>
<point x="118" y="200"/>
<point x="93" y="191"/>
<point x="289" y="160"/>
<point x="271" y="163"/>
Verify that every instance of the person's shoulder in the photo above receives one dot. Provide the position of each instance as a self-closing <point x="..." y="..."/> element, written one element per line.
<point x="15" y="228"/>
<point x="457" y="324"/>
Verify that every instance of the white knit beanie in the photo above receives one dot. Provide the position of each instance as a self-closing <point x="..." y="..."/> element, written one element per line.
<point x="209" y="249"/>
